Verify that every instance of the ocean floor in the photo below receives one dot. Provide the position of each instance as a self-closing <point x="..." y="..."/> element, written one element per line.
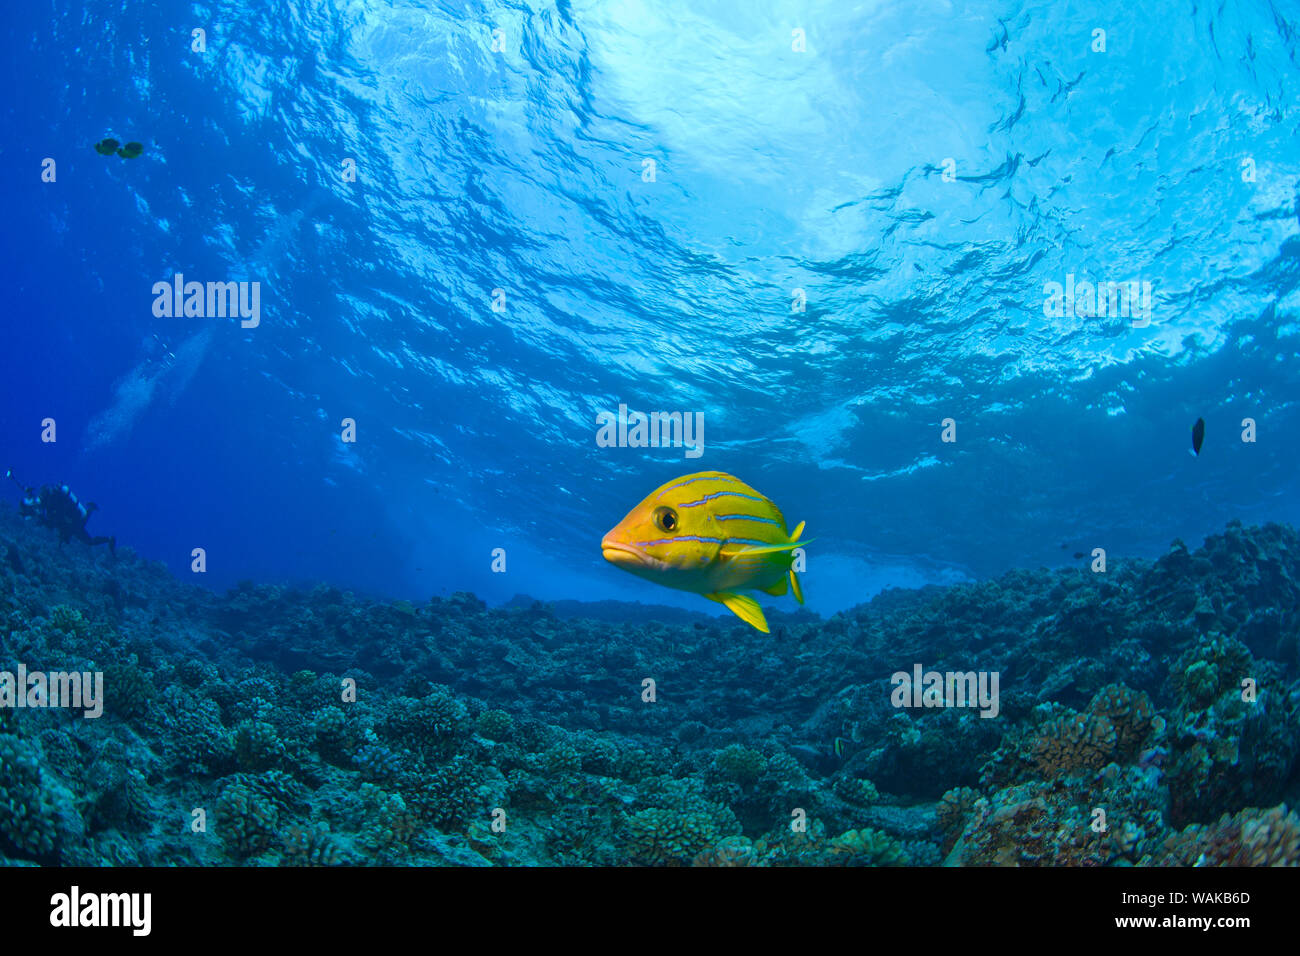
<point x="1146" y="716"/>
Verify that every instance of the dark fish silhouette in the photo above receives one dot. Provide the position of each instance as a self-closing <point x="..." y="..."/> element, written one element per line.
<point x="1078" y="554"/>
<point x="1198" y="435"/>
<point x="131" y="150"/>
<point x="106" y="147"/>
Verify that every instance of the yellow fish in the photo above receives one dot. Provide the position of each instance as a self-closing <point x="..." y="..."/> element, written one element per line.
<point x="711" y="534"/>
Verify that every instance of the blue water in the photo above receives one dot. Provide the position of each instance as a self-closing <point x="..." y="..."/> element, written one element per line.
<point x="919" y="170"/>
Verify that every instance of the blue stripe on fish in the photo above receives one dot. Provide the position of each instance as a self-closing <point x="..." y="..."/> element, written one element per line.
<point x="685" y="537"/>
<point x="747" y="518"/>
<point x="719" y="494"/>
<point x="692" y="537"/>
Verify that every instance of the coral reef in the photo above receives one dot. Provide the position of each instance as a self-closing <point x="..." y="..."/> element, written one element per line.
<point x="1249" y="837"/>
<point x="29" y="806"/>
<point x="662" y="837"/>
<point x="1147" y="716"/>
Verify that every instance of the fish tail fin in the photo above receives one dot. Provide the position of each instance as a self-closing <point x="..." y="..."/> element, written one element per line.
<point x="777" y="589"/>
<point x="745" y="608"/>
<point x="795" y="586"/>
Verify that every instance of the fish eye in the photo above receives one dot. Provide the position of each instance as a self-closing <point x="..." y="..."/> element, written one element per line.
<point x="665" y="518"/>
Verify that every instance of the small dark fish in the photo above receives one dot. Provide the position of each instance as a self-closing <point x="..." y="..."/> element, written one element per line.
<point x="1078" y="554"/>
<point x="1198" y="435"/>
<point x="131" y="150"/>
<point x="106" y="147"/>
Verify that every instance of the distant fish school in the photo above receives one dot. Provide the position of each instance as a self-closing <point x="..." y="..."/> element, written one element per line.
<point x="711" y="534"/>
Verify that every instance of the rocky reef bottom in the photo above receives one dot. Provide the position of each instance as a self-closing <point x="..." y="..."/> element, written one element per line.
<point x="1145" y="715"/>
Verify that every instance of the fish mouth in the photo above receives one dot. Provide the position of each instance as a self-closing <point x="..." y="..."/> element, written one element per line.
<point x="623" y="554"/>
<point x="628" y="556"/>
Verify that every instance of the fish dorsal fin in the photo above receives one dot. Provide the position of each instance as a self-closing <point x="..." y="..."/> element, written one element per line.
<point x="745" y="608"/>
<point x="798" y="531"/>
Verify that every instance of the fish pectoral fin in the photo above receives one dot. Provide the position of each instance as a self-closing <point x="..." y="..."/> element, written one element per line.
<point x="768" y="548"/>
<point x="745" y="608"/>
<point x="795" y="586"/>
<point x="777" y="589"/>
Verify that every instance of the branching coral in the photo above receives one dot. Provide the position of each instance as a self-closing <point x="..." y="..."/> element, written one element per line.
<point x="123" y="803"/>
<point x="495" y="725"/>
<point x="310" y="846"/>
<point x="196" y="742"/>
<point x="675" y="837"/>
<point x="392" y="824"/>
<point x="247" y="821"/>
<point x="128" y="690"/>
<point x="378" y="762"/>
<point x="562" y="758"/>
<point x="69" y="620"/>
<point x="449" y="797"/>
<point x="741" y="765"/>
<point x="28" y="810"/>
<point x="1068" y="744"/>
<point x="856" y="790"/>
<point x="431" y="726"/>
<point x="337" y="735"/>
<point x="258" y="745"/>
<point x="1214" y="666"/>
